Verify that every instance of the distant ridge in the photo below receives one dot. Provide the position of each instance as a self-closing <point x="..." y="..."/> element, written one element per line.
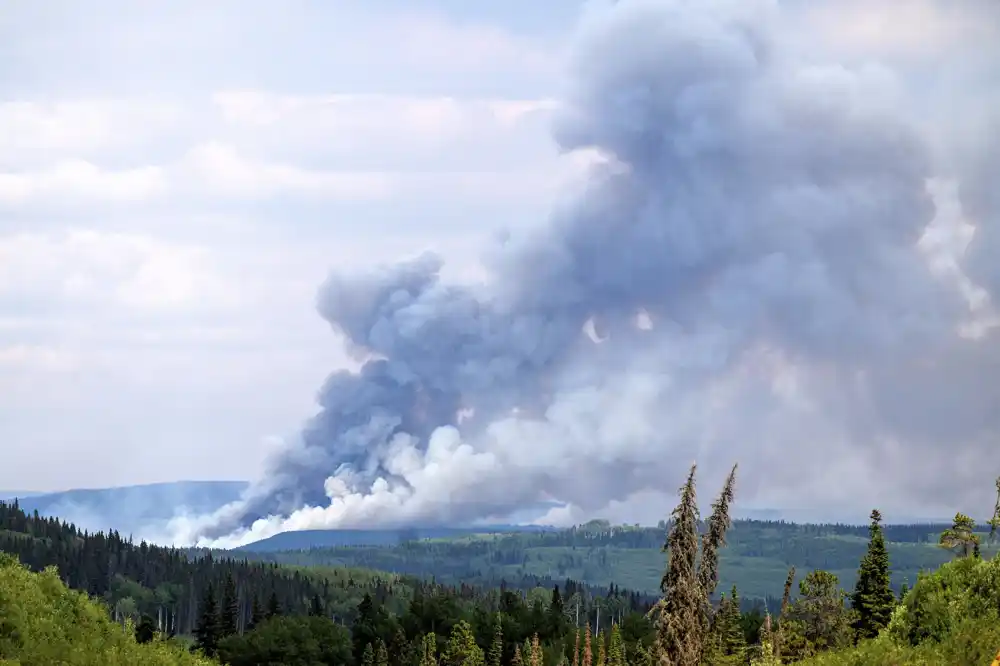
<point x="308" y="539"/>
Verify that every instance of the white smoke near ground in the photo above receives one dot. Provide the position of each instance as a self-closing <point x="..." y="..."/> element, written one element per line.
<point x="767" y="266"/>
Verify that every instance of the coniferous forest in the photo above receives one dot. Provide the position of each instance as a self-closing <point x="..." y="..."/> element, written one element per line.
<point x="99" y="598"/>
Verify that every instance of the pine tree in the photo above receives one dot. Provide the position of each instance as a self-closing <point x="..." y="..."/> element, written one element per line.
<point x="994" y="522"/>
<point x="429" y="656"/>
<point x="873" y="600"/>
<point x="576" y="648"/>
<point x="517" y="660"/>
<point x="145" y="631"/>
<point x="256" y="613"/>
<point x="368" y="656"/>
<point x="679" y="627"/>
<point x="960" y="536"/>
<point x="777" y="638"/>
<point x="230" y="611"/>
<point x="496" y="647"/>
<point x="588" y="654"/>
<point x="526" y="652"/>
<point x="602" y="650"/>
<point x="316" y="607"/>
<point x="462" y="649"/>
<point x="381" y="653"/>
<point x="536" y="651"/>
<point x="734" y="642"/>
<point x="616" y="648"/>
<point x="715" y="538"/>
<point x="273" y="607"/>
<point x="206" y="631"/>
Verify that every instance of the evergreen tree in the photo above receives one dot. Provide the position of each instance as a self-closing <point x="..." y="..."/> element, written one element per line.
<point x="496" y="647"/>
<point x="616" y="648"/>
<point x="712" y="541"/>
<point x="873" y="600"/>
<point x="557" y="612"/>
<point x="777" y="638"/>
<point x="518" y="660"/>
<point x="602" y="650"/>
<point x="462" y="649"/>
<point x="961" y="536"/>
<point x="576" y="647"/>
<point x="368" y="656"/>
<point x="230" y="610"/>
<point x="316" y="607"/>
<point x="588" y="654"/>
<point x="526" y="652"/>
<point x="734" y="642"/>
<point x="145" y="631"/>
<point x="994" y="522"/>
<point x="429" y="653"/>
<point x="273" y="607"/>
<point x="381" y="653"/>
<point x="536" y="651"/>
<point x="256" y="613"/>
<point x="679" y="627"/>
<point x="206" y="631"/>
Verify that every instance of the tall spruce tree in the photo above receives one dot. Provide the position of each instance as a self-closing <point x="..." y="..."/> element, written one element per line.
<point x="381" y="653"/>
<point x="229" y="612"/>
<point x="873" y="600"/>
<point x="616" y="647"/>
<point x="368" y="656"/>
<point x="711" y="542"/>
<point x="496" y="647"/>
<point x="679" y="627"/>
<point x="206" y="631"/>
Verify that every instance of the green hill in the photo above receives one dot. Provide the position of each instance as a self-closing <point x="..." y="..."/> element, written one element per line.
<point x="756" y="560"/>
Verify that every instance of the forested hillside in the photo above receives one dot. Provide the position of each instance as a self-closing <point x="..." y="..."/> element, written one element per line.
<point x="756" y="558"/>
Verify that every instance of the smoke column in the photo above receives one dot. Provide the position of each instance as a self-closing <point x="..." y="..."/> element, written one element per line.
<point x="762" y="268"/>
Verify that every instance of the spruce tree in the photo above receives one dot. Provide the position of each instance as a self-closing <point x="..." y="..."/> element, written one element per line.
<point x="496" y="647"/>
<point x="368" y="656"/>
<point x="145" y="631"/>
<point x="616" y="648"/>
<point x="588" y="654"/>
<point x="381" y="653"/>
<point x="206" y="631"/>
<point x="873" y="600"/>
<point x="777" y="637"/>
<point x="679" y="626"/>
<point x="602" y="651"/>
<point x="734" y="642"/>
<point x="256" y="613"/>
<point x="429" y="653"/>
<point x="273" y="607"/>
<point x="316" y="607"/>
<point x="518" y="660"/>
<point x="536" y="651"/>
<point x="994" y="522"/>
<point x="462" y="649"/>
<point x="230" y="611"/>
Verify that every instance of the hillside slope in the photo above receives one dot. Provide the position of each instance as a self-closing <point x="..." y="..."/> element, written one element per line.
<point x="44" y="622"/>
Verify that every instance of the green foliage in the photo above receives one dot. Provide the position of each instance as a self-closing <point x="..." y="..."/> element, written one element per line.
<point x="960" y="538"/>
<point x="462" y="649"/>
<point x="873" y="600"/>
<point x="289" y="641"/>
<point x="818" y="620"/>
<point x="678" y="639"/>
<point x="43" y="623"/>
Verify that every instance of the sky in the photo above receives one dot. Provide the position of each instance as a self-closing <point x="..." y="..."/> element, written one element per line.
<point x="179" y="179"/>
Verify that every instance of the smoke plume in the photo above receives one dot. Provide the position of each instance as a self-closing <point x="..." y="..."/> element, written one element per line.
<point x="765" y="265"/>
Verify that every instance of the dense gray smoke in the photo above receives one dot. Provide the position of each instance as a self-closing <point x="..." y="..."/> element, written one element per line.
<point x="749" y="274"/>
